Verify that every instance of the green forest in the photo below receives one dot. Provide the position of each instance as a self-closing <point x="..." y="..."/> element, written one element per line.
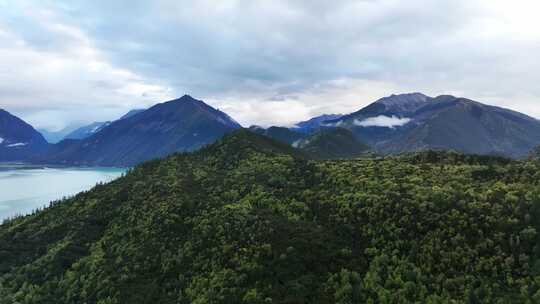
<point x="250" y="220"/>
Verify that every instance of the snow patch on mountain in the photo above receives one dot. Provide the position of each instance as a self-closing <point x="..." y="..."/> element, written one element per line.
<point x="17" y="145"/>
<point x="383" y="121"/>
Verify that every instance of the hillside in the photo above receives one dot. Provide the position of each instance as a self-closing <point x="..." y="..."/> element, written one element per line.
<point x="183" y="124"/>
<point x="281" y="134"/>
<point x="18" y="139"/>
<point x="333" y="143"/>
<point x="246" y="220"/>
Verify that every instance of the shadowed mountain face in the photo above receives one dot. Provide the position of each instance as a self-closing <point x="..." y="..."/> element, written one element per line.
<point x="333" y="143"/>
<point x="413" y="122"/>
<point x="184" y="124"/>
<point x="281" y="134"/>
<point x="314" y="123"/>
<point x="18" y="140"/>
<point x="323" y="143"/>
<point x="132" y="113"/>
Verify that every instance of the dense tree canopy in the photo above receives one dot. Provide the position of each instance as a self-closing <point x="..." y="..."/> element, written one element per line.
<point x="248" y="220"/>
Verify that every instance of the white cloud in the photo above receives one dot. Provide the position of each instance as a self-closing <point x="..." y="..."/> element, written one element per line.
<point x="383" y="121"/>
<point x="72" y="81"/>
<point x="65" y="61"/>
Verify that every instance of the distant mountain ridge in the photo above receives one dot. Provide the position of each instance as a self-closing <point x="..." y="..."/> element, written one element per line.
<point x="88" y="130"/>
<point x="131" y="113"/>
<point x="81" y="132"/>
<point x="394" y="124"/>
<point x="183" y="124"/>
<point x="54" y="137"/>
<point x="314" y="123"/>
<point x="415" y="122"/>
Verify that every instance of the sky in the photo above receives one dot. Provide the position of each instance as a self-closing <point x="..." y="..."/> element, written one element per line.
<point x="275" y="62"/>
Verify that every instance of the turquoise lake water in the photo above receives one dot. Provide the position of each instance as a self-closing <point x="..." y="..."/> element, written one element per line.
<point x="24" y="188"/>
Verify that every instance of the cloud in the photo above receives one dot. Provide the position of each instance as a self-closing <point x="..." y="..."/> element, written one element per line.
<point x="383" y="121"/>
<point x="52" y="73"/>
<point x="266" y="62"/>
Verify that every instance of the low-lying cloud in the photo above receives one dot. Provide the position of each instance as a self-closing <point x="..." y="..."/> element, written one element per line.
<point x="383" y="121"/>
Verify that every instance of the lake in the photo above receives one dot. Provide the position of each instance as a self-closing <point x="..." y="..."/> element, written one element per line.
<point x="24" y="188"/>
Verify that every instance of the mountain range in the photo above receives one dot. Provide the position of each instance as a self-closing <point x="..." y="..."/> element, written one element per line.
<point x="415" y="122"/>
<point x="391" y="125"/>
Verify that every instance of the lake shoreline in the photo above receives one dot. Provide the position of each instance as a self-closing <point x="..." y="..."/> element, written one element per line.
<point x="26" y="187"/>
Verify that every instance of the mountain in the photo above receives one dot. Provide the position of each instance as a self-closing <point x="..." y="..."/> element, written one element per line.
<point x="314" y="123"/>
<point x="18" y="140"/>
<point x="282" y="134"/>
<point x="245" y="220"/>
<point x="88" y="130"/>
<point x="183" y="124"/>
<point x="333" y="143"/>
<point x="323" y="143"/>
<point x="54" y="137"/>
<point x="131" y="113"/>
<point x="414" y="122"/>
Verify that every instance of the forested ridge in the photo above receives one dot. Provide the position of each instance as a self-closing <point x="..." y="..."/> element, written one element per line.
<point x="250" y="220"/>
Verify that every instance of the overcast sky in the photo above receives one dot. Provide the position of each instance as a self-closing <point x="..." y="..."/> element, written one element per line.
<point x="263" y="62"/>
